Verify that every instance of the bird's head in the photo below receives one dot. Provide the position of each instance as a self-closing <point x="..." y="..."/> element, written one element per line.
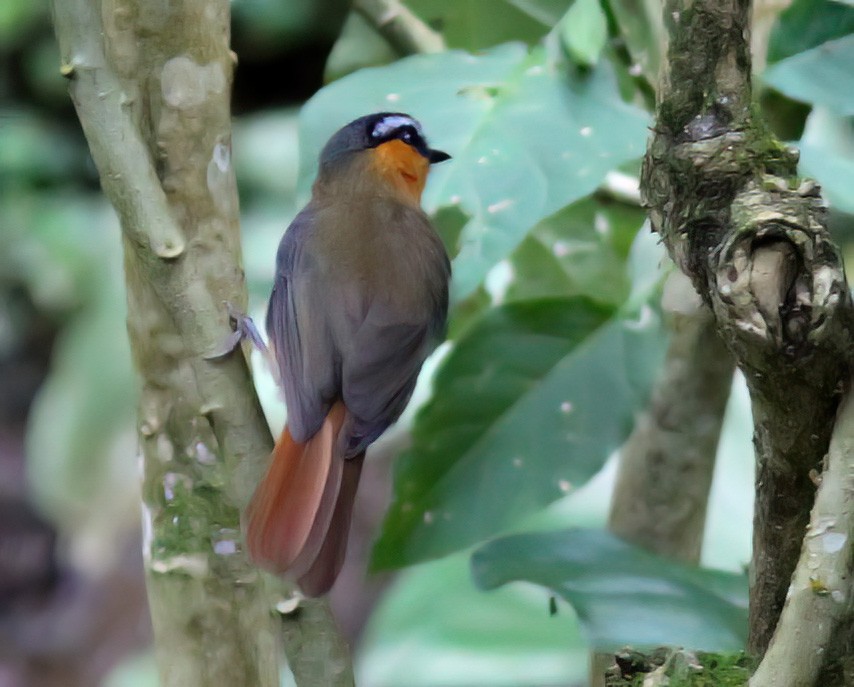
<point x="392" y="143"/>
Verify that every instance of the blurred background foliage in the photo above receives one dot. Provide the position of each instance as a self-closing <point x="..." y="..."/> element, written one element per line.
<point x="555" y="338"/>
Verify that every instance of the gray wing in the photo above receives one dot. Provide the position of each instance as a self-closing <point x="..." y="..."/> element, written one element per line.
<point x="342" y="331"/>
<point x="296" y="327"/>
<point x="379" y="377"/>
<point x="400" y="325"/>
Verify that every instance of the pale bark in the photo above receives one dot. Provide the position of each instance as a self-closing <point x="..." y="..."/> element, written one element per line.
<point x="151" y="83"/>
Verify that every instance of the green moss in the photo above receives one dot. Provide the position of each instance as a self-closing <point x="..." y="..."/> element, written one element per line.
<point x="680" y="669"/>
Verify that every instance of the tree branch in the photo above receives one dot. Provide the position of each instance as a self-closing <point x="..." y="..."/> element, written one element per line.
<point x="666" y="465"/>
<point x="725" y="197"/>
<point x="314" y="647"/>
<point x="406" y="33"/>
<point x="819" y="602"/>
<point x="151" y="85"/>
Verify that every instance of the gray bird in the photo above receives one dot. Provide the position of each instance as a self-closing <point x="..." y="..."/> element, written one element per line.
<point x="359" y="301"/>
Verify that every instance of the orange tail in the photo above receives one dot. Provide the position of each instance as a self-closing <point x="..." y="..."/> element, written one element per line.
<point x="299" y="517"/>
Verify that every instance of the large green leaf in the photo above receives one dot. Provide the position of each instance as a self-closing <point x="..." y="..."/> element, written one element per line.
<point x="528" y="404"/>
<point x="468" y="24"/>
<point x="434" y="627"/>
<point x="827" y="154"/>
<point x="821" y="76"/>
<point x="622" y="594"/>
<point x="806" y="24"/>
<point x="527" y="138"/>
<point x="584" y="31"/>
<point x="478" y="24"/>
<point x="17" y="18"/>
<point x="580" y="250"/>
<point x="359" y="45"/>
<point x="81" y="443"/>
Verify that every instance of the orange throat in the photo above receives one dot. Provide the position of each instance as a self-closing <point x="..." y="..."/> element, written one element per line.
<point x="403" y="167"/>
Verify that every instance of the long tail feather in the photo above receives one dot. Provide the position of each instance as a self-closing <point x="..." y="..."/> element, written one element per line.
<point x="320" y="577"/>
<point x="299" y="517"/>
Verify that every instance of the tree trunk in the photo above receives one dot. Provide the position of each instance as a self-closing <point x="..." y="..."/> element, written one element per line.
<point x="151" y="83"/>
<point x="726" y="199"/>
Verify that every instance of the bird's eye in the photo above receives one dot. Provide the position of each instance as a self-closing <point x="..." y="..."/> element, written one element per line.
<point x="407" y="137"/>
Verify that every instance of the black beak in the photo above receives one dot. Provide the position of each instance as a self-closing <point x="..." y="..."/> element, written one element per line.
<point x="437" y="156"/>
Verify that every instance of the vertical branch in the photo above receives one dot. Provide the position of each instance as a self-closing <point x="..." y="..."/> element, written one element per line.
<point x="726" y="199"/>
<point x="666" y="465"/>
<point x="662" y="489"/>
<point x="151" y="84"/>
<point x="315" y="650"/>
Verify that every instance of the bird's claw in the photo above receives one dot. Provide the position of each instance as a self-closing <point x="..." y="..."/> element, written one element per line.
<point x="242" y="328"/>
<point x="245" y="327"/>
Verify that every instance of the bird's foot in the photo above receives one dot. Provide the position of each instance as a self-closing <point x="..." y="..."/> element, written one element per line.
<point x="243" y="328"/>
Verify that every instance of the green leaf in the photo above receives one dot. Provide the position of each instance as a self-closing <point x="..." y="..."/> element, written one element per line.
<point x="264" y="26"/>
<point x="478" y="24"/>
<point x="580" y="250"/>
<point x="57" y="243"/>
<point x="584" y="31"/>
<point x="642" y="28"/>
<point x="827" y="155"/>
<point x="731" y="496"/>
<point x="137" y="670"/>
<point x="17" y="17"/>
<point x="622" y="594"/>
<point x="527" y="405"/>
<point x="527" y="138"/>
<point x="358" y="46"/>
<point x="434" y="627"/>
<point x="34" y="149"/>
<point x="267" y="164"/>
<point x="821" y="76"/>
<point x="806" y="24"/>
<point x="81" y="443"/>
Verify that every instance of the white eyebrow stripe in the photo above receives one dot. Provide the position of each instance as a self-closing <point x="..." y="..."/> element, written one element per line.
<point x="389" y="124"/>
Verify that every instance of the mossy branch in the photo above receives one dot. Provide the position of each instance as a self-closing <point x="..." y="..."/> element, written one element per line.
<point x="752" y="236"/>
<point x="151" y="85"/>
<point x="666" y="667"/>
